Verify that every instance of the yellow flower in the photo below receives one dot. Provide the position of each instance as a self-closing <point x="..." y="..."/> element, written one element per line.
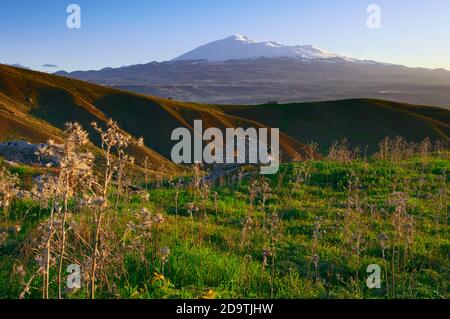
<point x="209" y="295"/>
<point x="158" y="277"/>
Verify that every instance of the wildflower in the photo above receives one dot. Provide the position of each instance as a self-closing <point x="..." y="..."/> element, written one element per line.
<point x="158" y="278"/>
<point x="209" y="295"/>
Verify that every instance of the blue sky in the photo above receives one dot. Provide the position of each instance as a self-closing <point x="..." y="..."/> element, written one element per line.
<point x="117" y="32"/>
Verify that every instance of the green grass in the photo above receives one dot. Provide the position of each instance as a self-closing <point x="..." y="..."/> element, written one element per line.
<point x="206" y="257"/>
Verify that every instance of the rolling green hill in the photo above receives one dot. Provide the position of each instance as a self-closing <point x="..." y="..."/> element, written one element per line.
<point x="35" y="106"/>
<point x="31" y="97"/>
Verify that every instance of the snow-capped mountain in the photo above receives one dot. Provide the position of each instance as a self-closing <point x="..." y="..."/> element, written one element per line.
<point x="238" y="47"/>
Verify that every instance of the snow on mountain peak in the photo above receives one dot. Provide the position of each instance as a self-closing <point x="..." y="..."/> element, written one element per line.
<point x="242" y="38"/>
<point x="238" y="47"/>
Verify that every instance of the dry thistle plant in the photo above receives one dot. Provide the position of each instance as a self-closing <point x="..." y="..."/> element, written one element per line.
<point x="253" y="192"/>
<point x="383" y="149"/>
<point x="397" y="149"/>
<point x="354" y="233"/>
<point x="46" y="192"/>
<point x="216" y="202"/>
<point x="177" y="186"/>
<point x="265" y="192"/>
<point x="341" y="152"/>
<point x="35" y="249"/>
<point x="441" y="204"/>
<point x="191" y="208"/>
<point x="196" y="178"/>
<point x="114" y="144"/>
<point x="240" y="176"/>
<point x="402" y="241"/>
<point x="144" y="236"/>
<point x="160" y="176"/>
<point x="75" y="164"/>
<point x="3" y="237"/>
<point x="425" y="147"/>
<point x="441" y="147"/>
<point x="383" y="239"/>
<point x="313" y="148"/>
<point x="353" y="188"/>
<point x="164" y="253"/>
<point x="146" y="173"/>
<point x="8" y="189"/>
<point x="281" y="175"/>
<point x="204" y="192"/>
<point x="246" y="228"/>
<point x="314" y="258"/>
<point x="302" y="178"/>
<point x="273" y="231"/>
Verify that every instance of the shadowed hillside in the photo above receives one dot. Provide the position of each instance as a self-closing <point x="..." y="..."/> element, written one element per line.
<point x="364" y="122"/>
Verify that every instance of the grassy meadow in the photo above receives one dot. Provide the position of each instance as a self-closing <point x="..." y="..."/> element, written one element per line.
<point x="309" y="231"/>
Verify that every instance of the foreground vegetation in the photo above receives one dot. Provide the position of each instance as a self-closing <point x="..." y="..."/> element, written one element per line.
<point x="309" y="231"/>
